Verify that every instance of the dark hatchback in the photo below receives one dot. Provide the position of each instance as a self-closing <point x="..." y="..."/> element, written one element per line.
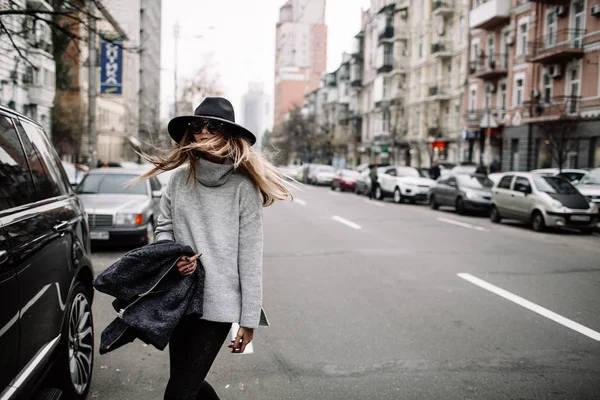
<point x="46" y="326"/>
<point x="466" y="193"/>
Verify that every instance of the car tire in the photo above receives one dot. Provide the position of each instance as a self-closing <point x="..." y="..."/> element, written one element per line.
<point x="460" y="206"/>
<point x="378" y="193"/>
<point x="333" y="188"/>
<point x="433" y="202"/>
<point x="75" y="355"/>
<point x="537" y="222"/>
<point x="495" y="215"/>
<point x="398" y="198"/>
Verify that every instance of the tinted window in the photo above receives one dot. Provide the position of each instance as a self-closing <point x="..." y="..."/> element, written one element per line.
<point x="551" y="184"/>
<point x="590" y="180"/>
<point x="391" y="171"/>
<point x="505" y="182"/>
<point x="48" y="174"/>
<point x="110" y="184"/>
<point x="571" y="176"/>
<point x="474" y="181"/>
<point x="451" y="181"/>
<point x="16" y="186"/>
<point x="522" y="183"/>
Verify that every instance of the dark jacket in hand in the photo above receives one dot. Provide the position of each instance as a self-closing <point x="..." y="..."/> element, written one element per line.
<point x="150" y="295"/>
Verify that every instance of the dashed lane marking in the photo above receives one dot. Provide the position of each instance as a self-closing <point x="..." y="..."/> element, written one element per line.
<point x="300" y="201"/>
<point x="346" y="222"/>
<point x="463" y="224"/>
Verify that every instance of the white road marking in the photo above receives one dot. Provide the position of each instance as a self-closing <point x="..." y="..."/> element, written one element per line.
<point x="234" y="331"/>
<point x="299" y="201"/>
<point x="346" y="222"/>
<point x="333" y="193"/>
<point x="463" y="224"/>
<point x="532" y="306"/>
<point x="375" y="203"/>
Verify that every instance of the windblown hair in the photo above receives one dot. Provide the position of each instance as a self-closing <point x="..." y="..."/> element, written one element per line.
<point x="265" y="175"/>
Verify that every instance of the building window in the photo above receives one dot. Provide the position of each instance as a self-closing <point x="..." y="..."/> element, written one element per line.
<point x="461" y="29"/>
<point x="518" y="100"/>
<point x="547" y="87"/>
<point x="473" y="100"/>
<point x="386" y="121"/>
<point x="421" y="46"/>
<point x="522" y="39"/>
<point x="501" y="100"/>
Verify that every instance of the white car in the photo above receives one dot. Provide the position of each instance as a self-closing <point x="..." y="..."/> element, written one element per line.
<point x="589" y="186"/>
<point x="323" y="175"/>
<point x="404" y="184"/>
<point x="570" y="174"/>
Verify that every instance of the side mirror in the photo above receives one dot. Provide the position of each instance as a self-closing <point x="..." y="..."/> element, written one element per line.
<point x="156" y="194"/>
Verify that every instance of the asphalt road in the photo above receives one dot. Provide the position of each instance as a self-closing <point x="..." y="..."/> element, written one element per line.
<point x="365" y="302"/>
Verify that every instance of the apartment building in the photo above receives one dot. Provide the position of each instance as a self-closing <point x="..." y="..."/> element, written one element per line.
<point x="27" y="80"/>
<point x="257" y="112"/>
<point x="300" y="54"/>
<point x="436" y="80"/>
<point x="533" y="73"/>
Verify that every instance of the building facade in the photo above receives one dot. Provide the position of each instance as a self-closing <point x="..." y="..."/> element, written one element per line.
<point x="300" y="54"/>
<point x="528" y="64"/>
<point x="257" y="112"/>
<point x="27" y="81"/>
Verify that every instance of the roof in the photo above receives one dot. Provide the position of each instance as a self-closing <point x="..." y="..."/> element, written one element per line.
<point x="16" y="114"/>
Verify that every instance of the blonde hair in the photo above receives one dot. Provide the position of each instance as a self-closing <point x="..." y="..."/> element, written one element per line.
<point x="265" y="175"/>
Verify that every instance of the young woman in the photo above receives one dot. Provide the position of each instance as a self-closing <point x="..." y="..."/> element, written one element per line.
<point x="214" y="205"/>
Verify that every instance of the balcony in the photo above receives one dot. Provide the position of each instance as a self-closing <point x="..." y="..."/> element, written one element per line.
<point x="491" y="66"/>
<point x="443" y="8"/>
<point x="557" y="47"/>
<point x="438" y="91"/>
<point x="490" y="14"/>
<point x="344" y="72"/>
<point x="441" y="49"/>
<point x="343" y="114"/>
<point x="558" y="107"/>
<point x="473" y="117"/>
<point x="356" y="75"/>
<point x="357" y="46"/>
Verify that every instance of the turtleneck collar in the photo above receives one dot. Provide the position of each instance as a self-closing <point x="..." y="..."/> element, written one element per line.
<point x="212" y="174"/>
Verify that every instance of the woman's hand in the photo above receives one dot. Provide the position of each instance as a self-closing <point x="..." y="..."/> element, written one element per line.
<point x="187" y="265"/>
<point x="244" y="336"/>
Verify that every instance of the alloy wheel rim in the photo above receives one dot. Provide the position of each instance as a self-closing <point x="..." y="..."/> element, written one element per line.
<point x="81" y="339"/>
<point x="397" y="196"/>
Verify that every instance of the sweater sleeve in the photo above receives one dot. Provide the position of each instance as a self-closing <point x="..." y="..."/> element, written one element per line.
<point x="164" y="223"/>
<point x="250" y="255"/>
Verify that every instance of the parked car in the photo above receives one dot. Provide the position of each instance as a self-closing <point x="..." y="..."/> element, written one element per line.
<point x="572" y="175"/>
<point x="404" y="184"/>
<point x="495" y="176"/>
<point x="74" y="173"/>
<point x="344" y="179"/>
<point x="117" y="211"/>
<point x="589" y="186"/>
<point x="46" y="324"/>
<point x="463" y="192"/>
<point x="542" y="201"/>
<point x="321" y="175"/>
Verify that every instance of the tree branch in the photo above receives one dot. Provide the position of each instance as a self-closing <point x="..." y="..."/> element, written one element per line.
<point x="3" y="28"/>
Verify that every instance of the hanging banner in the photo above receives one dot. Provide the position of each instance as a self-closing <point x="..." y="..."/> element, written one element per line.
<point x="111" y="66"/>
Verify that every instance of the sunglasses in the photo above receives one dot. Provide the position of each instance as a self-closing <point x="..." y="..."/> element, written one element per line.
<point x="212" y="126"/>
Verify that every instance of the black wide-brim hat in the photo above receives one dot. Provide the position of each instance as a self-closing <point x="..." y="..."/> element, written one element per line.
<point x="215" y="108"/>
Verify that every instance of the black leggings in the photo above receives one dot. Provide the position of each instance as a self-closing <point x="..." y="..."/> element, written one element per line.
<point x="193" y="347"/>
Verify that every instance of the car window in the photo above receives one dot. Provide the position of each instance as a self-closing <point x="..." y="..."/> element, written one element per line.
<point x="48" y="174"/>
<point x="552" y="184"/>
<point x="505" y="182"/>
<point x="391" y="171"/>
<point x="474" y="181"/>
<point x="571" y="176"/>
<point x="155" y="184"/>
<point x="522" y="183"/>
<point x="16" y="184"/>
<point x="590" y="180"/>
<point x="110" y="184"/>
<point x="413" y="172"/>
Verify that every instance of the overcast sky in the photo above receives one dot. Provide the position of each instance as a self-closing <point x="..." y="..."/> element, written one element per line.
<point x="241" y="42"/>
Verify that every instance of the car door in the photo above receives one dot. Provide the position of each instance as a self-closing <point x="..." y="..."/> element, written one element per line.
<point x="451" y="191"/>
<point x="388" y="180"/>
<point x="16" y="191"/>
<point x="502" y="195"/>
<point x="41" y="238"/>
<point x="521" y="198"/>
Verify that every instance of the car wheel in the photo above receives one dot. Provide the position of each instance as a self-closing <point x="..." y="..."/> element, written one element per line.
<point x="537" y="222"/>
<point x="460" y="206"/>
<point x="398" y="196"/>
<point x="433" y="202"/>
<point x="378" y="193"/>
<point x="495" y="215"/>
<point x="333" y="188"/>
<point x="149" y="234"/>
<point x="75" y="357"/>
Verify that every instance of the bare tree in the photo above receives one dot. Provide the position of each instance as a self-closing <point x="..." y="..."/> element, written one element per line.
<point x="562" y="137"/>
<point x="205" y="82"/>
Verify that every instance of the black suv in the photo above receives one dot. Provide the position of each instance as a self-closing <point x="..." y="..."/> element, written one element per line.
<point x="46" y="327"/>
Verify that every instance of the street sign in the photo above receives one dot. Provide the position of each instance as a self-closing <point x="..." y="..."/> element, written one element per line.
<point x="488" y="121"/>
<point x="384" y="148"/>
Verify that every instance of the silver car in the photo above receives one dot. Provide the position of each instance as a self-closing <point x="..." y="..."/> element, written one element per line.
<point x="116" y="211"/>
<point x="589" y="186"/>
<point x="543" y="201"/>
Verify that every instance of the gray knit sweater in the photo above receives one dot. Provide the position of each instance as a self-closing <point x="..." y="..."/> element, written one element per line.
<point x="220" y="217"/>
